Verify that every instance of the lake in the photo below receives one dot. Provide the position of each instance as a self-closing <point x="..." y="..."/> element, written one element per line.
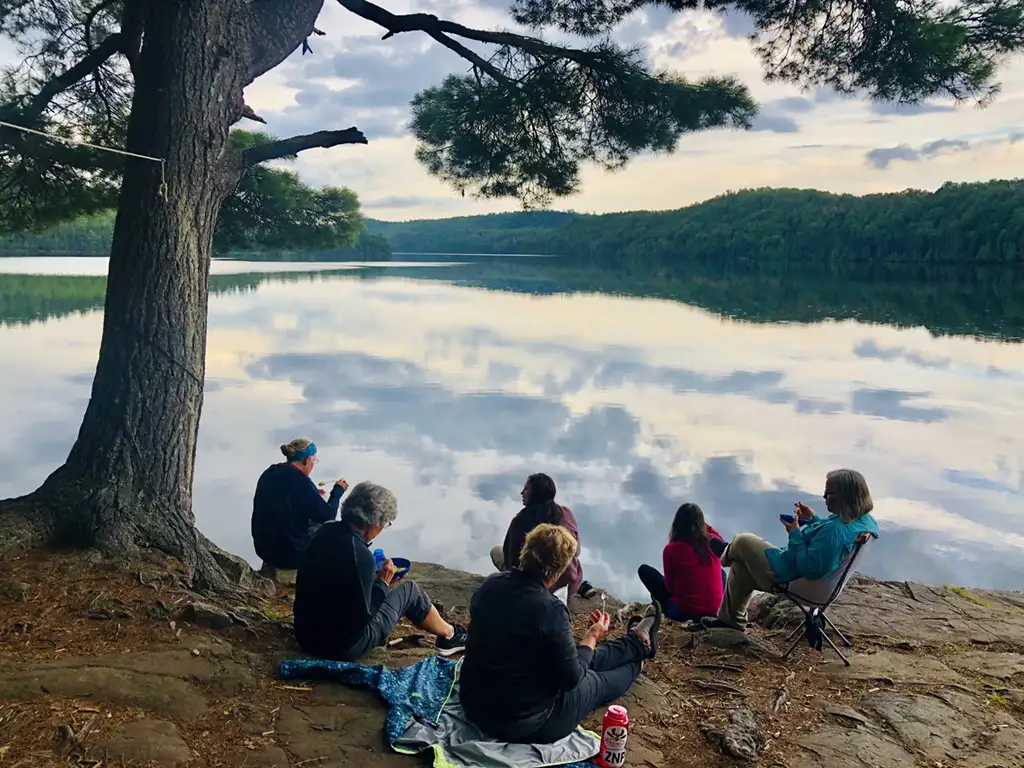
<point x="451" y="380"/>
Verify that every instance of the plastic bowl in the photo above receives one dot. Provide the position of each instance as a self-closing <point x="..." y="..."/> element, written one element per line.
<point x="402" y="567"/>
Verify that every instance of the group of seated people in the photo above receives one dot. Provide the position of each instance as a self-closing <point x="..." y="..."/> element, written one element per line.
<point x="524" y="678"/>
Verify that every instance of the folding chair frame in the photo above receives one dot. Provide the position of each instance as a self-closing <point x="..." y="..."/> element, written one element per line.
<point x="819" y="610"/>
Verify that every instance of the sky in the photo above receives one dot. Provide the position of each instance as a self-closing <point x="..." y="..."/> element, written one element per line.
<point x="800" y="139"/>
<point x="806" y="140"/>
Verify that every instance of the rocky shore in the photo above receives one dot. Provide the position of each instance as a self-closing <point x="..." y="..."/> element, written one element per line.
<point x="120" y="664"/>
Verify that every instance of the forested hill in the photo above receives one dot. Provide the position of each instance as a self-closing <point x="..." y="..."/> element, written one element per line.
<point x="958" y="223"/>
<point x="491" y="233"/>
<point x="91" y="236"/>
<point x="774" y="229"/>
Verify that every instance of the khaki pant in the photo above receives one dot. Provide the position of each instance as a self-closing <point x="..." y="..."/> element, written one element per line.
<point x="748" y="571"/>
<point x="498" y="558"/>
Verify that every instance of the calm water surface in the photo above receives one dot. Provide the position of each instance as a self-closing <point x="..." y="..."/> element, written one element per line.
<point x="450" y="393"/>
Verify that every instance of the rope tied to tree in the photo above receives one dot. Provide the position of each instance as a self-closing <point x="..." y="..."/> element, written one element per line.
<point x="161" y="191"/>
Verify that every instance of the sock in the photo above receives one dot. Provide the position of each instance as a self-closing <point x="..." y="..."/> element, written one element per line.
<point x="643" y="629"/>
<point x="449" y="637"/>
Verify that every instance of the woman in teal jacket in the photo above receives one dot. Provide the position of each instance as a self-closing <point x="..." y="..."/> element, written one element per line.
<point x="816" y="547"/>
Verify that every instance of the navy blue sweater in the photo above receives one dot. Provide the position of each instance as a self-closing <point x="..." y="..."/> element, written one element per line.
<point x="285" y="503"/>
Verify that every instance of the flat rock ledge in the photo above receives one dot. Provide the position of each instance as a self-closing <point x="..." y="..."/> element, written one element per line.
<point x="937" y="679"/>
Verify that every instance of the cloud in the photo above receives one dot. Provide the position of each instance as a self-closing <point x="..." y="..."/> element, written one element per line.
<point x="797" y="104"/>
<point x="870" y="349"/>
<point x="891" y="404"/>
<point x="774" y="124"/>
<point x="411" y="201"/>
<point x="902" y="110"/>
<point x="882" y="158"/>
<point x="362" y="81"/>
<point x="737" y="23"/>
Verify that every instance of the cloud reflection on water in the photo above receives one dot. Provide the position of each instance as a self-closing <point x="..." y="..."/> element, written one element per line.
<point x="451" y="395"/>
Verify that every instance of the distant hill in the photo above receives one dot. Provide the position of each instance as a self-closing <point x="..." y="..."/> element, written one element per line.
<point x="777" y="229"/>
<point x="490" y="233"/>
<point x="979" y="223"/>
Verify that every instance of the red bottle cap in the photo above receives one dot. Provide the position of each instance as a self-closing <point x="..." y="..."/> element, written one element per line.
<point x="617" y="715"/>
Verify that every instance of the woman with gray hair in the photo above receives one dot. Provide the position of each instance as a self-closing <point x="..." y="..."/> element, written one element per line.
<point x="344" y="605"/>
<point x="816" y="547"/>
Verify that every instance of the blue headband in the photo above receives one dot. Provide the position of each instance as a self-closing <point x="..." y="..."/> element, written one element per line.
<point x="305" y="453"/>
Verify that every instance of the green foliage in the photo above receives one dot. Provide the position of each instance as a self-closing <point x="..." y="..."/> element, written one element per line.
<point x="889" y="49"/>
<point x="523" y="121"/>
<point x="498" y="140"/>
<point x="43" y="181"/>
<point x="82" y="236"/>
<point x="492" y="233"/>
<point x="957" y="224"/>
<point x="272" y="209"/>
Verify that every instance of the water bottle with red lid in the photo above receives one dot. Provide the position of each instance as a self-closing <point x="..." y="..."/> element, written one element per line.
<point x="614" y="732"/>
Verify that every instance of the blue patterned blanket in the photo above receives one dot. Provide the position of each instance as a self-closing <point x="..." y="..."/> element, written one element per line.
<point x="424" y="714"/>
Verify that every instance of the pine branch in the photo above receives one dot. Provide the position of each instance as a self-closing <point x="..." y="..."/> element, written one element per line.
<point x="89" y="64"/>
<point x="442" y="30"/>
<point x="277" y="150"/>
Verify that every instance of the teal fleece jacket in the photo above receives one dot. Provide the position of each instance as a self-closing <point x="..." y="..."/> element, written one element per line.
<point x="818" y="548"/>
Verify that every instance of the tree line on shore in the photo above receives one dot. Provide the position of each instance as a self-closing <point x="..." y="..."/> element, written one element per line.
<point x="966" y="224"/>
<point x="978" y="223"/>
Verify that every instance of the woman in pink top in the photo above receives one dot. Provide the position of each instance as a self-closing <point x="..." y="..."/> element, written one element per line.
<point x="694" y="579"/>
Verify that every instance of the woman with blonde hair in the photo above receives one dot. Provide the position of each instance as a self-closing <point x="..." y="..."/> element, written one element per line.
<point x="287" y="504"/>
<point x="816" y="547"/>
<point x="524" y="679"/>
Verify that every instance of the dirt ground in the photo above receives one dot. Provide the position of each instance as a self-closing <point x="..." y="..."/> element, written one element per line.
<point x="101" y="668"/>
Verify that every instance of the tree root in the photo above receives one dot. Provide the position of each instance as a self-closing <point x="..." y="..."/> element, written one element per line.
<point x="23" y="526"/>
<point x="63" y="514"/>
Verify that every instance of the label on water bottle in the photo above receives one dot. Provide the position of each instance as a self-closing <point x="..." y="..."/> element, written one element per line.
<point x="613" y="746"/>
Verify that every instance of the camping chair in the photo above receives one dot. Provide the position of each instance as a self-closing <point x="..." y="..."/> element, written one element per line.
<point x="813" y="598"/>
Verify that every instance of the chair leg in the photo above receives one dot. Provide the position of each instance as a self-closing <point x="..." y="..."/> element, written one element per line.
<point x="795" y="632"/>
<point x="835" y="648"/>
<point x="793" y="645"/>
<point x="844" y="638"/>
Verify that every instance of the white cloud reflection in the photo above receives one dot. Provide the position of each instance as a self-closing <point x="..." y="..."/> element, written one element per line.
<point x="451" y="395"/>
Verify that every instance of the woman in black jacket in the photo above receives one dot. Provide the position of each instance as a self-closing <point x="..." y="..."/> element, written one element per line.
<point x="523" y="678"/>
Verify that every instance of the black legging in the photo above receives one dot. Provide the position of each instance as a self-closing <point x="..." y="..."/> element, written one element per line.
<point x="655" y="584"/>
<point x="616" y="665"/>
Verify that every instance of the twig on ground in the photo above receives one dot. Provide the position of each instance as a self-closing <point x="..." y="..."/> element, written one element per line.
<point x="715" y="685"/>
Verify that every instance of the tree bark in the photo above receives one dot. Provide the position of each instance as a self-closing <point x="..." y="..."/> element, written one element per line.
<point x="127" y="482"/>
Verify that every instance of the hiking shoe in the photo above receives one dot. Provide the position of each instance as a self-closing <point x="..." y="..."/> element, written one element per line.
<point x="717" y="546"/>
<point x="455" y="644"/>
<point x="586" y="590"/>
<point x="713" y="622"/>
<point x="647" y="628"/>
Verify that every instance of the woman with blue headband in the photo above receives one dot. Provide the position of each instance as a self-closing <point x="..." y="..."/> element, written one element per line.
<point x="287" y="503"/>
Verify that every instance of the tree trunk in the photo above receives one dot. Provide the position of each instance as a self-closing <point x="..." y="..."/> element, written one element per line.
<point x="127" y="482"/>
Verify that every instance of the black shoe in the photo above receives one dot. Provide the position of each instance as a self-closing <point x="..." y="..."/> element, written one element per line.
<point x="713" y="622"/>
<point x="649" y="626"/>
<point x="455" y="644"/>
<point x="586" y="590"/>
<point x="717" y="546"/>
